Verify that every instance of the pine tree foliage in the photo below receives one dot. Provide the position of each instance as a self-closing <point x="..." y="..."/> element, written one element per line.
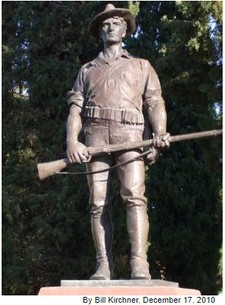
<point x="45" y="224"/>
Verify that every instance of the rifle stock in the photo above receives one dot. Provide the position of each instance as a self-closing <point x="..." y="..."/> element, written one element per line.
<point x="51" y="168"/>
<point x="47" y="169"/>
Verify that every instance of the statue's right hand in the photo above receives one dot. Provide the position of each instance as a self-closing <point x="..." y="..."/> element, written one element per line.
<point x="76" y="152"/>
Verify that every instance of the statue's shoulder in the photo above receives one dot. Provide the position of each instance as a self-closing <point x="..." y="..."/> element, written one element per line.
<point x="144" y="63"/>
<point x="85" y="67"/>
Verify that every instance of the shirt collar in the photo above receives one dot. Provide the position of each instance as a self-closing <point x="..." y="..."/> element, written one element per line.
<point x="99" y="59"/>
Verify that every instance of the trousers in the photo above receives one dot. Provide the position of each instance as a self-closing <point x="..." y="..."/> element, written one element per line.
<point x="132" y="188"/>
<point x="99" y="133"/>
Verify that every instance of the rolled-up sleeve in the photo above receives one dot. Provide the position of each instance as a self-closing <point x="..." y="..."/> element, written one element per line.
<point x="152" y="90"/>
<point x="76" y="95"/>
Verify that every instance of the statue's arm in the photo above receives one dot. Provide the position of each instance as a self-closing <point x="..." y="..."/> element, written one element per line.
<point x="155" y="105"/>
<point x="75" y="149"/>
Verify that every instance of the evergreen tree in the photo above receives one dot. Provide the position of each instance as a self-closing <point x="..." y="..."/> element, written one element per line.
<point x="182" y="40"/>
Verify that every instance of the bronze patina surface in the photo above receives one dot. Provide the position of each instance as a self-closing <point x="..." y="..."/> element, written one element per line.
<point x="107" y="103"/>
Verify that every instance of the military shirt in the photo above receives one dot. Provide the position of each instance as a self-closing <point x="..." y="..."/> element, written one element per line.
<point x="126" y="83"/>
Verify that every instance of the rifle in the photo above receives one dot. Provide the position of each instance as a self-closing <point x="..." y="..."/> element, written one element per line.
<point x="47" y="169"/>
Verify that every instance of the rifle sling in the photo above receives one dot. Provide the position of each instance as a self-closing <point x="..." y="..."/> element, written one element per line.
<point x="107" y="169"/>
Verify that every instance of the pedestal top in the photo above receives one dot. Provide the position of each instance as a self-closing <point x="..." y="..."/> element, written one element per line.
<point x="118" y="283"/>
<point x="117" y="287"/>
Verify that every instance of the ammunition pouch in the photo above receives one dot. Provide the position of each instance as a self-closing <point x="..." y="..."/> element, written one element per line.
<point x="117" y="115"/>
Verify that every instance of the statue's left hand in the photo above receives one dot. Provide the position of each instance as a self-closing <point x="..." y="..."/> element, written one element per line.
<point x="152" y="156"/>
<point x="161" y="141"/>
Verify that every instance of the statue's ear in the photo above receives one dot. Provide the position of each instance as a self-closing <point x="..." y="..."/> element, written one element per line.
<point x="125" y="29"/>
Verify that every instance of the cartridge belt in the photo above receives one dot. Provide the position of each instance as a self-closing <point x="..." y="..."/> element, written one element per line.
<point x="117" y="115"/>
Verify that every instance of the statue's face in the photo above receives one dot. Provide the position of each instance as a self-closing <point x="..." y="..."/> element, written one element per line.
<point x="112" y="30"/>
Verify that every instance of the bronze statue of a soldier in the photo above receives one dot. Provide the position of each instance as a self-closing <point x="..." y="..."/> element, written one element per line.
<point x="107" y="102"/>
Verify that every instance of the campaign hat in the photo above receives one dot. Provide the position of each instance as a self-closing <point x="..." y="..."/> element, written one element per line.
<point x="109" y="12"/>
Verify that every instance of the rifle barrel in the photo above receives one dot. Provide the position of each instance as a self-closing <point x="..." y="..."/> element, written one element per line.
<point x="195" y="135"/>
<point x="92" y="151"/>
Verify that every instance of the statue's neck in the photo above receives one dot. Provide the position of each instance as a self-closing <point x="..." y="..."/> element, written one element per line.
<point x="111" y="52"/>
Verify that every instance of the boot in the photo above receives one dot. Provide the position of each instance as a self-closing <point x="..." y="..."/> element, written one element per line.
<point x="138" y="226"/>
<point x="102" y="232"/>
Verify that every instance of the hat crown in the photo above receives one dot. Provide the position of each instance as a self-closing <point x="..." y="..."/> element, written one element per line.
<point x="109" y="7"/>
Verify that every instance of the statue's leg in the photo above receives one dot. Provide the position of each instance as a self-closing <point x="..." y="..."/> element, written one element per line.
<point x="132" y="177"/>
<point x="137" y="225"/>
<point x="101" y="222"/>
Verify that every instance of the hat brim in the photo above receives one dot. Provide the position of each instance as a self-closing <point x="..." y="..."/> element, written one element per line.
<point x="120" y="12"/>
